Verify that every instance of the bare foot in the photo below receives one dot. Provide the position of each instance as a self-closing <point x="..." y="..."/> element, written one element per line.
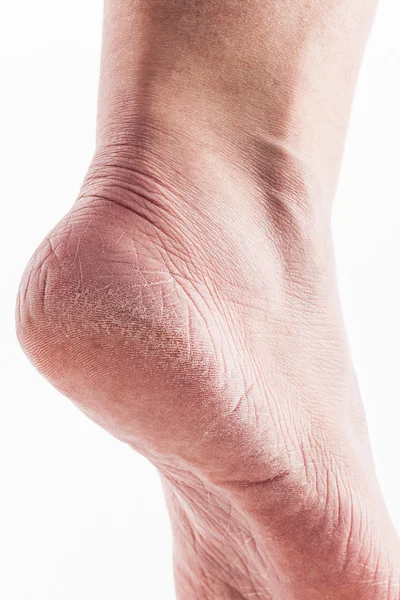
<point x="188" y="301"/>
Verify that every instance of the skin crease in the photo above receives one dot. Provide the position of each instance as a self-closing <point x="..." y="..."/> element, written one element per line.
<point x="188" y="301"/>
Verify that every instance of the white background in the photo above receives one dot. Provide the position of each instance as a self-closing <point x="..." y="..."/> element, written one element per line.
<point x="82" y="516"/>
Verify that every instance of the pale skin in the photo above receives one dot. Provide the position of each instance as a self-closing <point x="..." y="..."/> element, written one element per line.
<point x="188" y="301"/>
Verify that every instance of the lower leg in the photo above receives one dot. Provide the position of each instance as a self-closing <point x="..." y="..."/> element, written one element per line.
<point x="254" y="74"/>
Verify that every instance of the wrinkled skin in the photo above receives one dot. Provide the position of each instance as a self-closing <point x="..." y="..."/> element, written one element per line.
<point x="188" y="302"/>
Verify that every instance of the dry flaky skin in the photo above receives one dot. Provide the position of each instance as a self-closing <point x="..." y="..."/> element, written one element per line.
<point x="188" y="303"/>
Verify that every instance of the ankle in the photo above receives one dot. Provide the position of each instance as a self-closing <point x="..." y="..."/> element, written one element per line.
<point x="206" y="170"/>
<point x="175" y="178"/>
